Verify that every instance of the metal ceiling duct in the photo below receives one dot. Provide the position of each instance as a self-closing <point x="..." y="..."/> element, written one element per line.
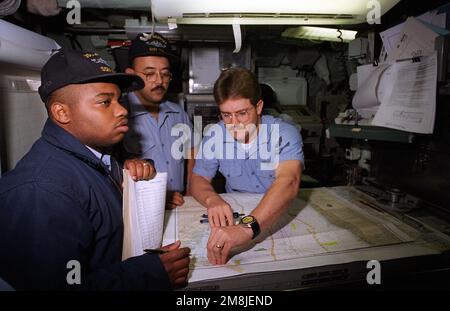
<point x="142" y="5"/>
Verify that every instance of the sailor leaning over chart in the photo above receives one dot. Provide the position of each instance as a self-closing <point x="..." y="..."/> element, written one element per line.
<point x="255" y="153"/>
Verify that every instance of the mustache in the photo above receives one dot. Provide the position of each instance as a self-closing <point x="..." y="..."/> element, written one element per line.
<point x="159" y="88"/>
<point x="238" y="127"/>
<point x="123" y="122"/>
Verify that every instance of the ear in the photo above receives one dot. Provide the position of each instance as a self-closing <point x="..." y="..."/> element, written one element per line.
<point x="60" y="112"/>
<point x="129" y="70"/>
<point x="259" y="107"/>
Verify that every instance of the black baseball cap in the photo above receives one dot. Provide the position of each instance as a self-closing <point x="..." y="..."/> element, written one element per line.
<point x="77" y="67"/>
<point x="150" y="45"/>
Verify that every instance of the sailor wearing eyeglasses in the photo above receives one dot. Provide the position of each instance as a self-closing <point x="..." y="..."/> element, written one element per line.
<point x="257" y="154"/>
<point x="151" y="117"/>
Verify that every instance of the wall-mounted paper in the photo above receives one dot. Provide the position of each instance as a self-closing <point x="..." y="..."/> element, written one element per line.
<point x="415" y="40"/>
<point x="371" y="83"/>
<point x="410" y="100"/>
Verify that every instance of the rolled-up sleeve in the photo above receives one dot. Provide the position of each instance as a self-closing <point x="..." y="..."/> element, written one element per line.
<point x="206" y="161"/>
<point x="291" y="144"/>
<point x="206" y="167"/>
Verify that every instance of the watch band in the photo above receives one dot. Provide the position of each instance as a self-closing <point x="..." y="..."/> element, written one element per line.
<point x="250" y="222"/>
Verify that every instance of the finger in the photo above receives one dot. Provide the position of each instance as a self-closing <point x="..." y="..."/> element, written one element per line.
<point x="211" y="246"/>
<point x="152" y="171"/>
<point x="139" y="170"/>
<point x="175" y="260"/>
<point x="131" y="167"/>
<point x="223" y="220"/>
<point x="182" y="272"/>
<point x="180" y="264"/>
<point x="178" y="198"/>
<point x="170" y="247"/>
<point x="229" y="217"/>
<point x="147" y="171"/>
<point x="212" y="238"/>
<point x="181" y="275"/>
<point x="212" y="258"/>
<point x="179" y="282"/>
<point x="178" y="254"/>
<point x="224" y="254"/>
<point x="212" y="219"/>
<point x="214" y="241"/>
<point x="217" y="252"/>
<point x="170" y="206"/>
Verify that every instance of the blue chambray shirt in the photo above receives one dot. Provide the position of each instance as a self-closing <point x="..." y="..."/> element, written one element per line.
<point x="248" y="171"/>
<point x="149" y="138"/>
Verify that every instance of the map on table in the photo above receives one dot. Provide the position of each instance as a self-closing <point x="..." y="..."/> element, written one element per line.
<point x="318" y="222"/>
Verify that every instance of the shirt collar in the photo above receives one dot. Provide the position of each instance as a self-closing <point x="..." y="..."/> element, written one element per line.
<point x="105" y="158"/>
<point x="95" y="152"/>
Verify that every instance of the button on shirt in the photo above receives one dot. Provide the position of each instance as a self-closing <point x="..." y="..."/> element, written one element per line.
<point x="249" y="168"/>
<point x="150" y="138"/>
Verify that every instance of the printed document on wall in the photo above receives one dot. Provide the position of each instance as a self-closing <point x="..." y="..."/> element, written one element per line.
<point x="410" y="100"/>
<point x="416" y="39"/>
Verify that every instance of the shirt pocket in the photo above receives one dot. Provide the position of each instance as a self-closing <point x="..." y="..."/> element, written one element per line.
<point x="266" y="174"/>
<point x="233" y="171"/>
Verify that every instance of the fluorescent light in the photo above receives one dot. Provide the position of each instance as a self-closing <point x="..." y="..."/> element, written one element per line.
<point x="307" y="20"/>
<point x="266" y="12"/>
<point x="319" y="33"/>
<point x="163" y="9"/>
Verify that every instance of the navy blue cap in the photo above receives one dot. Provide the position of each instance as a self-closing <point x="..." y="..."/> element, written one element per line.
<point x="77" y="67"/>
<point x="150" y="45"/>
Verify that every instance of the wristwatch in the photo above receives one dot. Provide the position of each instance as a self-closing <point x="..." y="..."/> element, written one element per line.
<point x="250" y="221"/>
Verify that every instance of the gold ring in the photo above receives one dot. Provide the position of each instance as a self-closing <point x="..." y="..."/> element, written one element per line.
<point x="146" y="164"/>
<point x="219" y="246"/>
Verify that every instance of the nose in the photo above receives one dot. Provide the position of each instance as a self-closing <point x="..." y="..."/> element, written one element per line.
<point x="120" y="110"/>
<point x="234" y="119"/>
<point x="158" y="78"/>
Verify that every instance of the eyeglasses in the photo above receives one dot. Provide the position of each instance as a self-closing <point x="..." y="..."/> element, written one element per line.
<point x="151" y="76"/>
<point x="241" y="116"/>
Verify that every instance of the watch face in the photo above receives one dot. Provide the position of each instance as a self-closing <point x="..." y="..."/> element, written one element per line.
<point x="247" y="220"/>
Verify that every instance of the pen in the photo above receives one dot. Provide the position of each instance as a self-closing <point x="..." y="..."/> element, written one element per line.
<point x="155" y="251"/>
<point x="235" y="215"/>
<point x="205" y="217"/>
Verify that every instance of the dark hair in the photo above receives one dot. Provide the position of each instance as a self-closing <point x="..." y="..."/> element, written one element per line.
<point x="237" y="83"/>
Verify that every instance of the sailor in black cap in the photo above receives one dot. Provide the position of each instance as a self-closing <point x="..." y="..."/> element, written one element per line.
<point x="62" y="204"/>
<point x="152" y="118"/>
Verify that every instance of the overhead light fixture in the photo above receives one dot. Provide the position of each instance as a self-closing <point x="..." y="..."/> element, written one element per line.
<point x="319" y="33"/>
<point x="267" y="12"/>
<point x="244" y="19"/>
